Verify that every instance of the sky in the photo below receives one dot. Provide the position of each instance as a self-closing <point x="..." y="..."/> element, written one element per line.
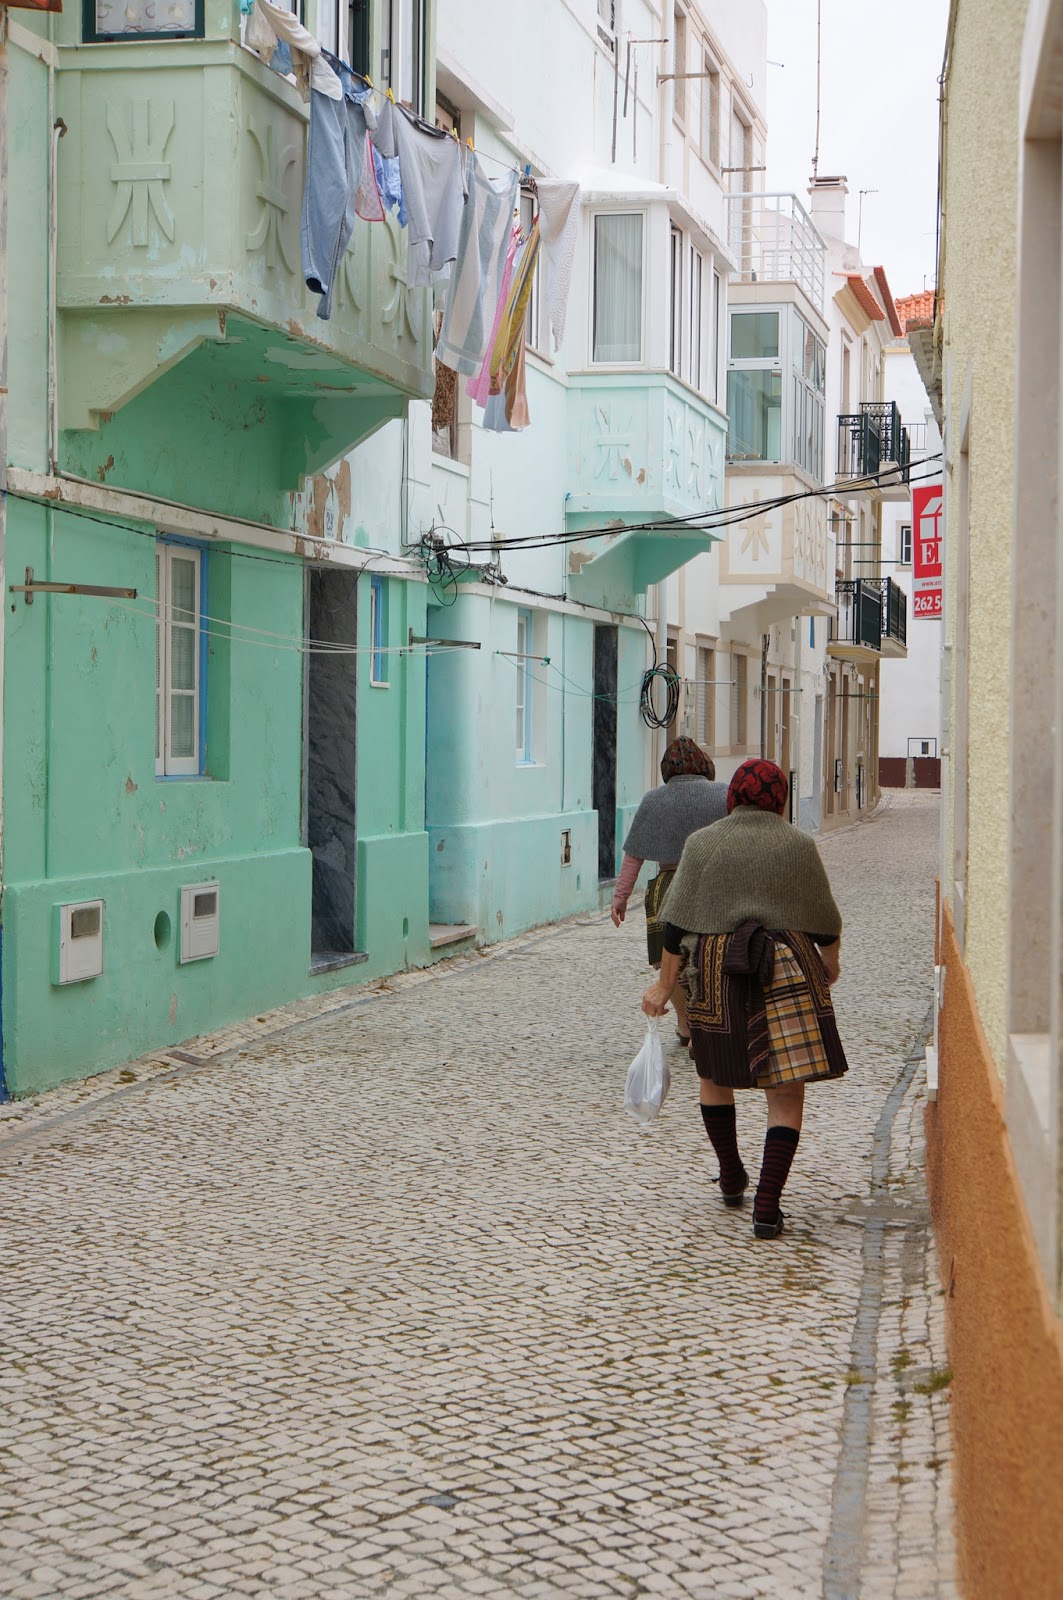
<point x="878" y="125"/>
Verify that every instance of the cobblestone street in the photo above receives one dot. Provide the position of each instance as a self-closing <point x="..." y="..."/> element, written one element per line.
<point x="386" y="1295"/>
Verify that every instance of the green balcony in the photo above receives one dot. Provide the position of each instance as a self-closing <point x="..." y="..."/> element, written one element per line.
<point x="178" y="263"/>
<point x="643" y="448"/>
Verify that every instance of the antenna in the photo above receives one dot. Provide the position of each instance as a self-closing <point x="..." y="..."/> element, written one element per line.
<point x="819" y="59"/>
<point x="860" y="215"/>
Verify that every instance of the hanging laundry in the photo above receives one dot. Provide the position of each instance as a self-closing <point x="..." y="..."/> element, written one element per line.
<point x="511" y="331"/>
<point x="369" y="202"/>
<point x="310" y="69"/>
<point x="476" y="278"/>
<point x="336" y="153"/>
<point x="432" y="181"/>
<point x="389" y="185"/>
<point x="559" y="224"/>
<point x="479" y="387"/>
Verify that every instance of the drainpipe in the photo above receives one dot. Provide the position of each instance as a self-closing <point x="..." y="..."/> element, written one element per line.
<point x="57" y="127"/>
<point x="3" y="444"/>
<point x="764" y="641"/>
<point x="661" y="734"/>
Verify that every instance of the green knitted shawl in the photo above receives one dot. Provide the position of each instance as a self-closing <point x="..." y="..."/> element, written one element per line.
<point x="752" y="867"/>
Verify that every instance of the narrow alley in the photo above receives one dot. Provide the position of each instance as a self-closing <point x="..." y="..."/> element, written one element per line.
<point x="387" y="1296"/>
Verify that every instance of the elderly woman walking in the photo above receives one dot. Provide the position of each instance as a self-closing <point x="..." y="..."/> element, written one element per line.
<point x="688" y="799"/>
<point x="752" y="926"/>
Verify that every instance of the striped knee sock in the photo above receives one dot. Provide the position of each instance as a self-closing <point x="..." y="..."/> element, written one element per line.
<point x="720" y="1126"/>
<point x="780" y="1147"/>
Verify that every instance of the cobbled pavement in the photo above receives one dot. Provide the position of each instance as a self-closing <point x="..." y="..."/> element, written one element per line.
<point x="383" y="1294"/>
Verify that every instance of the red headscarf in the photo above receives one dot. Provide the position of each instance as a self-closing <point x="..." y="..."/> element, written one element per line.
<point x="685" y="759"/>
<point x="761" y="784"/>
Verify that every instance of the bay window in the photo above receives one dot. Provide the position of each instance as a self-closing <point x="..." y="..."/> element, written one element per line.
<point x="617" y="276"/>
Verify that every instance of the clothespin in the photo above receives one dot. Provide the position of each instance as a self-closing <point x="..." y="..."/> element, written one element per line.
<point x="391" y="97"/>
<point x="454" y="133"/>
<point x="527" y="169"/>
<point x="470" y="143"/>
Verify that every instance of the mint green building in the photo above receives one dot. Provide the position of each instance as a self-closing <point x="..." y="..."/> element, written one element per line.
<point x="200" y="819"/>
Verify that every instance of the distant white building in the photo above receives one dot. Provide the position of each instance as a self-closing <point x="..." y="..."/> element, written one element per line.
<point x="910" y="714"/>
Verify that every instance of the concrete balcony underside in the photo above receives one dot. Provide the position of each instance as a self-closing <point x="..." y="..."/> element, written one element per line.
<point x="643" y="448"/>
<point x="180" y="196"/>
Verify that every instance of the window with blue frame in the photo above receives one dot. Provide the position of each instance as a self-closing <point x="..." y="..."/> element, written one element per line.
<point x="180" y="664"/>
<point x="524" y="684"/>
<point x="378" y="630"/>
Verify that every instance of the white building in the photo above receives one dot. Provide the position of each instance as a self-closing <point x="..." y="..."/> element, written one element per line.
<point x="910" y="716"/>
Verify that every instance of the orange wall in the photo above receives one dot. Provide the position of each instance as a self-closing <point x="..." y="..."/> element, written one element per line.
<point x="1005" y="1343"/>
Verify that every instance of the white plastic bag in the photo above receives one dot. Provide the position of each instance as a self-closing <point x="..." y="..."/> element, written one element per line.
<point x="647" y="1077"/>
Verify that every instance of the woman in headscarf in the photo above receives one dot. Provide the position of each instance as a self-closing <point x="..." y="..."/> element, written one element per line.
<point x="752" y="926"/>
<point x="688" y="799"/>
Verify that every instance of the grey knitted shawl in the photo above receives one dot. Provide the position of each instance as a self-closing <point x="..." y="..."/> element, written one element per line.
<point x="670" y="814"/>
<point x="752" y="867"/>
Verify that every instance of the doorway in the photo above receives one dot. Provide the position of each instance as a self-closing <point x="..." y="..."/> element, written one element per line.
<point x="604" y="734"/>
<point x="330" y="727"/>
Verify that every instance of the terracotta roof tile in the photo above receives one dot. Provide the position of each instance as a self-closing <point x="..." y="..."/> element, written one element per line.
<point x="916" y="307"/>
<point x="887" y="301"/>
<point x="864" y="298"/>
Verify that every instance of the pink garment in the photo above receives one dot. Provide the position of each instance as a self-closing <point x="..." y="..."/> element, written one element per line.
<point x="626" y="881"/>
<point x="479" y="388"/>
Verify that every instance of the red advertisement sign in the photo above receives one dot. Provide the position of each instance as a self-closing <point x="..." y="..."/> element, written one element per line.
<point x="36" y="5"/>
<point x="927" y="534"/>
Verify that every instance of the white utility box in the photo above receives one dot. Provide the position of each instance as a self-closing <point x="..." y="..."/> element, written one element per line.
<point x="200" y="920"/>
<point x="79" y="941"/>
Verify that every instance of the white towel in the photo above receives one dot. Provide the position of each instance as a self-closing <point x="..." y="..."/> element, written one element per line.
<point x="558" y="227"/>
<point x="311" y="72"/>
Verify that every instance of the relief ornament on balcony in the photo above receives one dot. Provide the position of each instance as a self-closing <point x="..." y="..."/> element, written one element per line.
<point x="405" y="307"/>
<point x="613" y="445"/>
<point x="755" y="533"/>
<point x="140" y="170"/>
<point x="273" y="167"/>
<point x="673" y="450"/>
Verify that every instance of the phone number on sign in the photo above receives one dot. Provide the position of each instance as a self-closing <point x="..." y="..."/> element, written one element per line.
<point x="927" y="604"/>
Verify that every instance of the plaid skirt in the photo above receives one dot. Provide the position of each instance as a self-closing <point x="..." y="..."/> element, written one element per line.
<point x="748" y="1035"/>
<point x="656" y="890"/>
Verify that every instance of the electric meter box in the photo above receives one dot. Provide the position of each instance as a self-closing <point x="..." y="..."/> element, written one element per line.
<point x="200" y="920"/>
<point x="78" y="942"/>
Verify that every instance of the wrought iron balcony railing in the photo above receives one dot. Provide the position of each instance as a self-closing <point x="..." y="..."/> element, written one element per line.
<point x="873" y="440"/>
<point x="894" y="611"/>
<point x="859" y="615"/>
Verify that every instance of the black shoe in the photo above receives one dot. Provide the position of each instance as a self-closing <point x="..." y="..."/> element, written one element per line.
<point x="768" y="1230"/>
<point x="736" y="1199"/>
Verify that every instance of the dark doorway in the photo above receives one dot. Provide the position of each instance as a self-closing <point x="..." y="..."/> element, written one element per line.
<point x="332" y="615"/>
<point x="604" y="777"/>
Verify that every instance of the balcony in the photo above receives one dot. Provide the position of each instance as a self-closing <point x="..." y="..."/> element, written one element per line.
<point x="180" y="193"/>
<point x="774" y="240"/>
<point x="856" y="628"/>
<point x="776" y="562"/>
<point x="643" y="447"/>
<point x="894" y="620"/>
<point x="874" y="450"/>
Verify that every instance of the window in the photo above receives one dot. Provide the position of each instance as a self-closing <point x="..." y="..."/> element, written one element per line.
<point x="754" y="335"/>
<point x="716" y="307"/>
<point x="358" y="21"/>
<point x="696" y="278"/>
<point x="739" y="690"/>
<point x="679" y="63"/>
<point x="754" y="411"/>
<point x="142" y="19"/>
<point x="524" y="698"/>
<point x="904" y="552"/>
<point x="741" y="150"/>
<point x="675" y="332"/>
<point x="710" y="111"/>
<point x="617" y="317"/>
<point x="607" y="23"/>
<point x="402" y="51"/>
<point x="706" y="697"/>
<point x="809" y="385"/>
<point x="378" y="630"/>
<point x="532" y="321"/>
<point x="179" y="643"/>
